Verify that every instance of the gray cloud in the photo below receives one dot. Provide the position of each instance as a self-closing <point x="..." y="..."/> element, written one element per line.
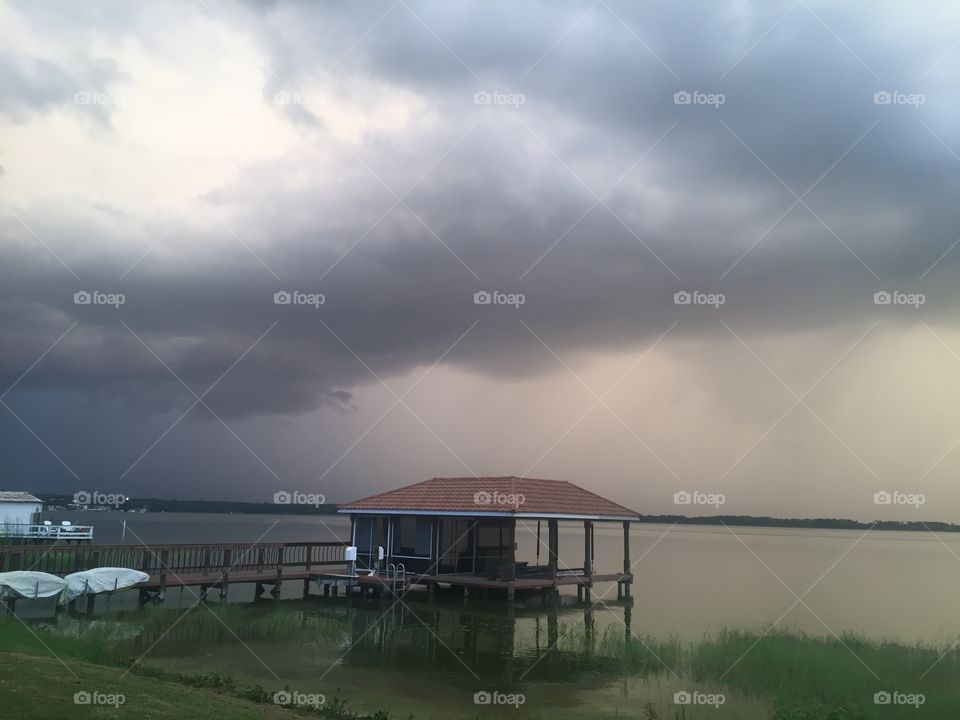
<point x="509" y="204"/>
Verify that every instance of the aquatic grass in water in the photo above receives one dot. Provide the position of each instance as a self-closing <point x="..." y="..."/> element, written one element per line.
<point x="806" y="674"/>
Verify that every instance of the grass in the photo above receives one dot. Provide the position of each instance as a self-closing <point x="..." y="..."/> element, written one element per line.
<point x="796" y="676"/>
<point x="802" y="677"/>
<point x="43" y="687"/>
<point x="830" y="674"/>
<point x="51" y="668"/>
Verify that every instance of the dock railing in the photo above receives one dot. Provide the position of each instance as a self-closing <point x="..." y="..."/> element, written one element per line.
<point x="20" y="531"/>
<point x="174" y="559"/>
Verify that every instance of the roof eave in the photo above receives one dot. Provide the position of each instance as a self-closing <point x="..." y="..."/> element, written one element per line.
<point x="488" y="513"/>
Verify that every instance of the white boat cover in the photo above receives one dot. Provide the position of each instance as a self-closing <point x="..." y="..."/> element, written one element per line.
<point x="30" y="584"/>
<point x="98" y="580"/>
<point x="101" y="580"/>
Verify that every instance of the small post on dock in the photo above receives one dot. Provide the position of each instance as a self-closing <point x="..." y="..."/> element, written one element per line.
<point x="225" y="578"/>
<point x="626" y="559"/>
<point x="553" y="541"/>
<point x="279" y="581"/>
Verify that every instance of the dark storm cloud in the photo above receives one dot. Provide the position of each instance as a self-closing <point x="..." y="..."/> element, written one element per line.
<point x="508" y="207"/>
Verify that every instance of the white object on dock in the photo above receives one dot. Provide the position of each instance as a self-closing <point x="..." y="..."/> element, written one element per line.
<point x="30" y="584"/>
<point x="98" y="580"/>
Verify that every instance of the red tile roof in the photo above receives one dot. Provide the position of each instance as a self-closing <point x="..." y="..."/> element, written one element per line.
<point x="493" y="495"/>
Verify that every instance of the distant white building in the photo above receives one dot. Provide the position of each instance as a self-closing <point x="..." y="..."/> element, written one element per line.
<point x="19" y="508"/>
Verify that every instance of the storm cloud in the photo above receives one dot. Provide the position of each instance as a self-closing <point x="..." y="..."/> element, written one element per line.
<point x="294" y="205"/>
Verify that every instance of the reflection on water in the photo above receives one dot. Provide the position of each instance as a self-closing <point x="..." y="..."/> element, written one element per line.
<point x="690" y="581"/>
<point x="430" y="659"/>
<point x="435" y="659"/>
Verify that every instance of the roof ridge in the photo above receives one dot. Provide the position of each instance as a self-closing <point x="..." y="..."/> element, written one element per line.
<point x="387" y="492"/>
<point x="596" y="495"/>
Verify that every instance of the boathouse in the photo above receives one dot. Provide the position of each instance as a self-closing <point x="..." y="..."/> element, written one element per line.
<point x="463" y="532"/>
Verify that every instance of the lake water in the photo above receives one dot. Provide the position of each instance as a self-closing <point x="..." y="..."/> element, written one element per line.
<point x="689" y="580"/>
<point x="431" y="658"/>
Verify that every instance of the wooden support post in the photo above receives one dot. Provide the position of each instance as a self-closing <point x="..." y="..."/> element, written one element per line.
<point x="306" y="587"/>
<point x="587" y="527"/>
<point x="326" y="589"/>
<point x="279" y="581"/>
<point x="553" y="542"/>
<point x="626" y="558"/>
<point x="225" y="577"/>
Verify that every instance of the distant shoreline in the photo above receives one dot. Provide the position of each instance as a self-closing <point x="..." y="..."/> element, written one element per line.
<point x="156" y="505"/>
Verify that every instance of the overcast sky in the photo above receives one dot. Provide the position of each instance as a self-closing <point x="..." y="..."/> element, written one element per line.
<point x="778" y="164"/>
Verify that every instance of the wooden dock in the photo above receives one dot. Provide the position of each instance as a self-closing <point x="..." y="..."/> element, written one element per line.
<point x="334" y="580"/>
<point x="217" y="566"/>
<point x="203" y="565"/>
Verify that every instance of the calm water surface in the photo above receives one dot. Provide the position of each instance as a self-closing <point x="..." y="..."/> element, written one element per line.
<point x="430" y="659"/>
<point x="689" y="580"/>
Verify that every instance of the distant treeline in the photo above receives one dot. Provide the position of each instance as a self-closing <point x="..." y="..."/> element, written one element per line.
<point x="269" y="508"/>
<point x="204" y="506"/>
<point x="822" y="523"/>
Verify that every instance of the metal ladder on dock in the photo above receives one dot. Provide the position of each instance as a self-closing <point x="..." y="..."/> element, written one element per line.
<point x="397" y="578"/>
